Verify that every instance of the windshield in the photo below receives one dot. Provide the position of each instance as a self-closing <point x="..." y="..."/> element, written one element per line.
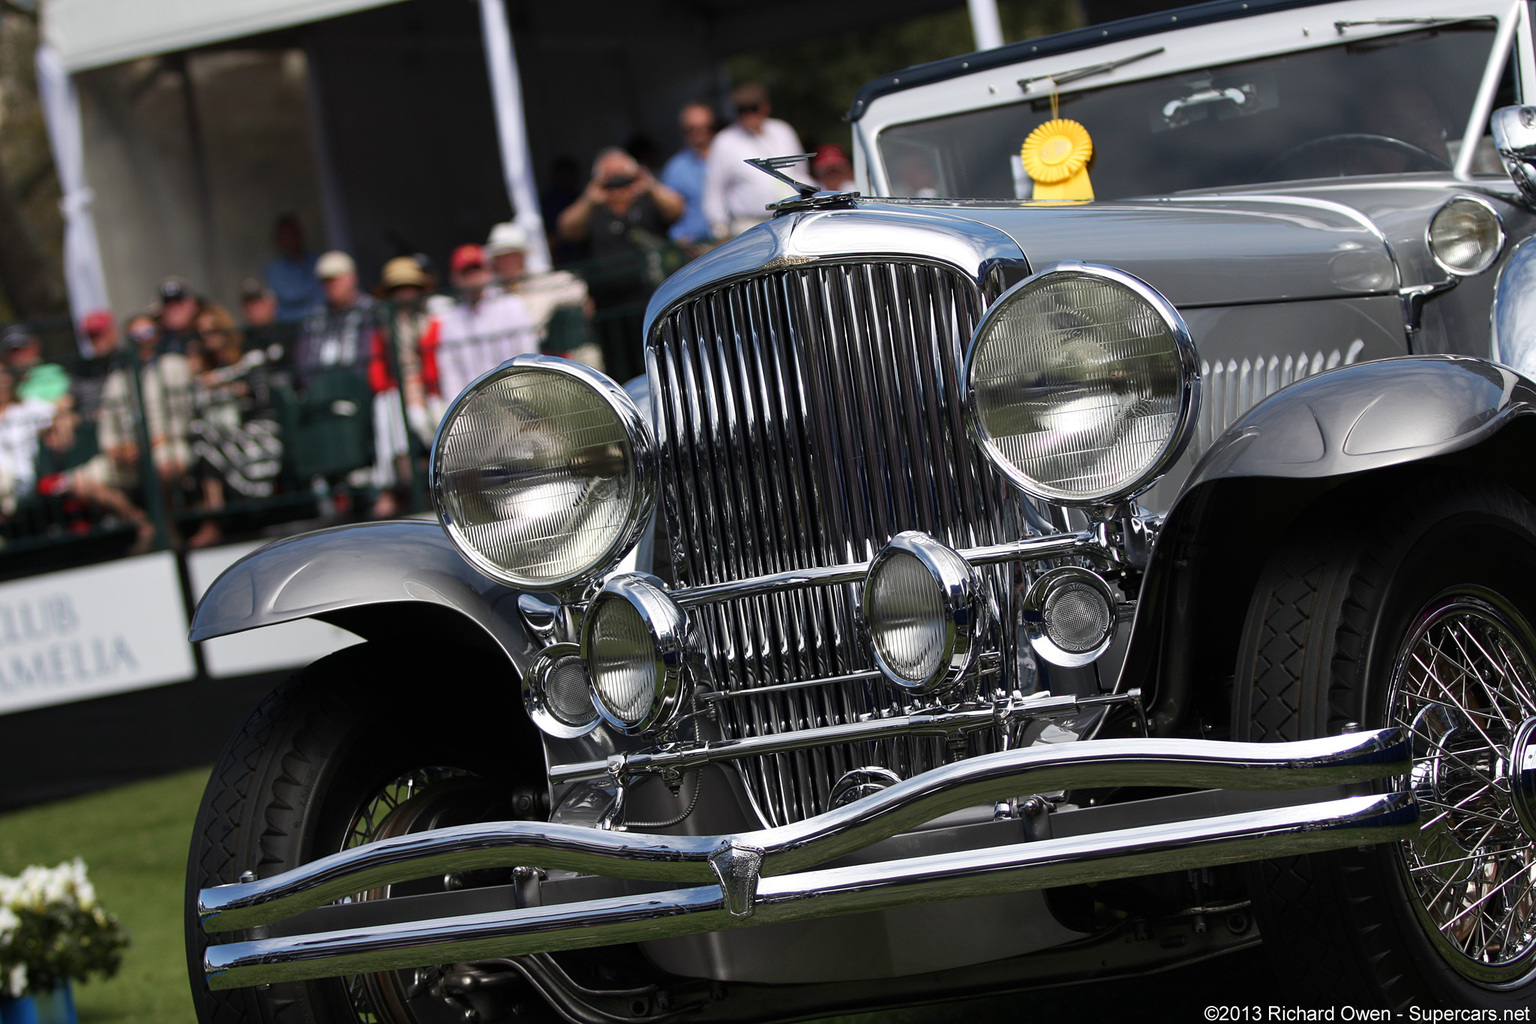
<point x="1383" y="105"/>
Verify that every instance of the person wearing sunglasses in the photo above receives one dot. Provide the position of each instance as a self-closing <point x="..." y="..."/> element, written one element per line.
<point x="736" y="195"/>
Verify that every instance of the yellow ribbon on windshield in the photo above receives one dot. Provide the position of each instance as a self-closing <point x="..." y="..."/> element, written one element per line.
<point x="1056" y="156"/>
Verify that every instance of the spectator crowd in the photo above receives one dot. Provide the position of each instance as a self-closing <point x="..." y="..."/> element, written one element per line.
<point x="324" y="394"/>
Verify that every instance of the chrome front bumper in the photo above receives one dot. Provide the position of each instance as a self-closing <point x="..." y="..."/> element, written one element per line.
<point x="776" y="875"/>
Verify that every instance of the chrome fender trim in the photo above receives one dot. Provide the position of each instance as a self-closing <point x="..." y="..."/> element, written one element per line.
<point x="1196" y="764"/>
<point x="828" y="892"/>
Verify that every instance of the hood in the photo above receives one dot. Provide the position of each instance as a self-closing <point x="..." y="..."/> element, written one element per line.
<point x="1197" y="251"/>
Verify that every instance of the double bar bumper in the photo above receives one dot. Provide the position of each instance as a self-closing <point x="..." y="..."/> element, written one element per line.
<point x="775" y="875"/>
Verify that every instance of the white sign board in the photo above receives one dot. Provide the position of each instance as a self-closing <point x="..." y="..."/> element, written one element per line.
<point x="286" y="645"/>
<point x="89" y="632"/>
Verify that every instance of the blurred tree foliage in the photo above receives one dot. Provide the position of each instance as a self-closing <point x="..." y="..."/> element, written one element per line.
<point x="31" y="227"/>
<point x="813" y="83"/>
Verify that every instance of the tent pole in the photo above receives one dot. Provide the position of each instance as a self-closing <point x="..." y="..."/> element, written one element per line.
<point x="512" y="129"/>
<point x="84" y="277"/>
<point x="986" y="26"/>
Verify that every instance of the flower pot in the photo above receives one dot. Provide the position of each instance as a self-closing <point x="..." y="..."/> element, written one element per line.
<point x="55" y="1007"/>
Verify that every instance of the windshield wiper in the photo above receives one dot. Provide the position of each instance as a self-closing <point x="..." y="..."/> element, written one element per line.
<point x="1062" y="78"/>
<point x="1340" y="26"/>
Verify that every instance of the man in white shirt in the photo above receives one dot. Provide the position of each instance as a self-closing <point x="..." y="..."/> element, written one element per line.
<point x="735" y="193"/>
<point x="483" y="329"/>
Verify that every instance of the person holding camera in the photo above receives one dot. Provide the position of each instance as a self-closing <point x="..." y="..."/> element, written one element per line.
<point x="624" y="212"/>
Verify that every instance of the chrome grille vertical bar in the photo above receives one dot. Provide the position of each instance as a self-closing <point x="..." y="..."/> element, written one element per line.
<point x="807" y="415"/>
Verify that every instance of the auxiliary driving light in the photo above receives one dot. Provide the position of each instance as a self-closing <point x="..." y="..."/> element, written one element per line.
<point x="923" y="605"/>
<point x="557" y="694"/>
<point x="1069" y="615"/>
<point x="636" y="643"/>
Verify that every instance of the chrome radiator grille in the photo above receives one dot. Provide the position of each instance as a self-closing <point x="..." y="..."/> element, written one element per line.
<point x="806" y="416"/>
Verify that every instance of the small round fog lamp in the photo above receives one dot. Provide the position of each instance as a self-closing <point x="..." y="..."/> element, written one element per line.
<point x="636" y="644"/>
<point x="1465" y="236"/>
<point x="922" y="604"/>
<point x="557" y="694"/>
<point x="1069" y="615"/>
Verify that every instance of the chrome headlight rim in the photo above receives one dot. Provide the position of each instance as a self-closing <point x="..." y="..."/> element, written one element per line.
<point x="1037" y="600"/>
<point x="1491" y="255"/>
<point x="642" y="472"/>
<point x="962" y="607"/>
<point x="673" y="649"/>
<point x="536" y="692"/>
<point x="1189" y="398"/>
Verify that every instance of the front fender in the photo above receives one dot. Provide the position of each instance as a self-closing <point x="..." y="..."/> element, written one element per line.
<point x="1284" y="458"/>
<point x="1367" y="416"/>
<point x="352" y="575"/>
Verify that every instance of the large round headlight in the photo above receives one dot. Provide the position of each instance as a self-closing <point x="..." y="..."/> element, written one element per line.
<point x="543" y="473"/>
<point x="637" y="646"/>
<point x="1082" y="384"/>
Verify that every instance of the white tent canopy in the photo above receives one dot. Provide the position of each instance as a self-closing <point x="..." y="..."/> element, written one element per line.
<point x="94" y="33"/>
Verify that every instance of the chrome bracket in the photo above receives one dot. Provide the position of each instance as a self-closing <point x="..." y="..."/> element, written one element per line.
<point x="738" y="868"/>
<point x="1413" y="297"/>
<point x="613" y="819"/>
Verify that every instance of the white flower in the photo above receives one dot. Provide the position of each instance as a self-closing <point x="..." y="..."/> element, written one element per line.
<point x="17" y="983"/>
<point x="9" y="922"/>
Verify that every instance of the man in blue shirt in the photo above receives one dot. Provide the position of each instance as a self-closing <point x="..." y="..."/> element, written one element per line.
<point x="291" y="275"/>
<point x="684" y="174"/>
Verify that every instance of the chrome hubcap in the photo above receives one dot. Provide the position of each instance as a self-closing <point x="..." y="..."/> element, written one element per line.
<point x="1465" y="687"/>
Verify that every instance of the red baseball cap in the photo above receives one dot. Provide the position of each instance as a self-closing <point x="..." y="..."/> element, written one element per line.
<point x="828" y="155"/>
<point x="467" y="256"/>
<point x="96" y="322"/>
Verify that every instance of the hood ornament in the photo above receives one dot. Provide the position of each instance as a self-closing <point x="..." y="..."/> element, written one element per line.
<point x="810" y="196"/>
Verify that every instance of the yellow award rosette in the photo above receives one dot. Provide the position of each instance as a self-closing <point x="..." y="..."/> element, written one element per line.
<point x="1056" y="157"/>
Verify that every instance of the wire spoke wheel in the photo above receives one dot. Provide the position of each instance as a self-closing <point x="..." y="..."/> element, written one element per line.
<point x="423" y="798"/>
<point x="1464" y="686"/>
<point x="1410" y="607"/>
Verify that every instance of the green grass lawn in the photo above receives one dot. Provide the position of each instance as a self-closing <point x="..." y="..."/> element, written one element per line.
<point x="134" y="841"/>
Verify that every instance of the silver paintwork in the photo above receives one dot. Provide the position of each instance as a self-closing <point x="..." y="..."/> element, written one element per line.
<point x="961" y="599"/>
<point x="1369" y="416"/>
<point x="1233" y="387"/>
<point x="642" y="458"/>
<point x="1351" y="821"/>
<point x="344" y="571"/>
<point x="1514" y="310"/>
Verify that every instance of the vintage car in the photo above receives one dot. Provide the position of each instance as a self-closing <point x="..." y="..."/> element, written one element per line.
<point x="989" y="588"/>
